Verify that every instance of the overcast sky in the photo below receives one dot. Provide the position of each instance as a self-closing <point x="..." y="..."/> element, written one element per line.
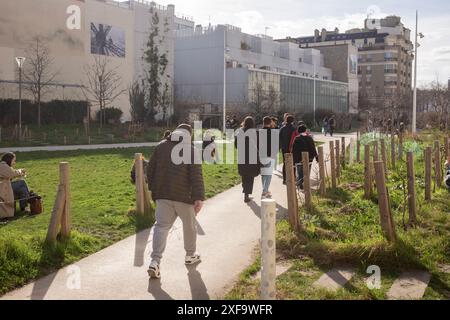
<point x="300" y="18"/>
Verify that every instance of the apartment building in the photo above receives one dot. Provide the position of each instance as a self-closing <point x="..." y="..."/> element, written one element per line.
<point x="78" y="30"/>
<point x="384" y="56"/>
<point x="297" y="77"/>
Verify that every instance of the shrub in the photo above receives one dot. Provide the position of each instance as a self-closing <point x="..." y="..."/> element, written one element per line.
<point x="112" y="115"/>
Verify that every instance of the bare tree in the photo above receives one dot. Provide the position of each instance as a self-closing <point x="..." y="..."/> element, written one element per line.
<point x="104" y="84"/>
<point x="38" y="73"/>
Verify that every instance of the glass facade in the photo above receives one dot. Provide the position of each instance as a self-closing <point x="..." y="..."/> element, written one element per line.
<point x="296" y="94"/>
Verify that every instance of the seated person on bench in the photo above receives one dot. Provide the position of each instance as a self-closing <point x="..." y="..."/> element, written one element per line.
<point x="11" y="190"/>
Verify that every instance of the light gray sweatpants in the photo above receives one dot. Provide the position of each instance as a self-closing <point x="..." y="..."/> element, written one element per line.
<point x="167" y="212"/>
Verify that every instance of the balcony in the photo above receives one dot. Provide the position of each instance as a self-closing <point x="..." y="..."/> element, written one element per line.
<point x="390" y="83"/>
<point x="395" y="59"/>
<point x="390" y="71"/>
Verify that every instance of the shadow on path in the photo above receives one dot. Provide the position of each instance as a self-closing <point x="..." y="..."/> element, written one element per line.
<point x="255" y="208"/>
<point x="198" y="287"/>
<point x="140" y="246"/>
<point x="154" y="287"/>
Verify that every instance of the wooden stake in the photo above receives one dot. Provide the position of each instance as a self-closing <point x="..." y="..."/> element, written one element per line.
<point x="437" y="164"/>
<point x="338" y="160"/>
<point x="358" y="151"/>
<point x="411" y="189"/>
<point x="306" y="180"/>
<point x="343" y="151"/>
<point x="55" y="218"/>
<point x="447" y="147"/>
<point x="140" y="198"/>
<point x="61" y="210"/>
<point x="393" y="151"/>
<point x="333" y="165"/>
<point x="383" y="202"/>
<point x="351" y="150"/>
<point x="400" y="146"/>
<point x="291" y="192"/>
<point x="383" y="154"/>
<point x="322" y="172"/>
<point x="65" y="181"/>
<point x="375" y="151"/>
<point x="428" y="173"/>
<point x="367" y="173"/>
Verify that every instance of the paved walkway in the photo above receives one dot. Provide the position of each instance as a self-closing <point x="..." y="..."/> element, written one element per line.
<point x="79" y="147"/>
<point x="229" y="231"/>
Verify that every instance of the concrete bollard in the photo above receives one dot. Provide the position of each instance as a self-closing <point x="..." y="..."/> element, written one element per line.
<point x="268" y="257"/>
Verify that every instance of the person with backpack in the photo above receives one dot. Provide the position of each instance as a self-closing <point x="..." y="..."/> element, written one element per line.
<point x="303" y="143"/>
<point x="178" y="191"/>
<point x="286" y="132"/>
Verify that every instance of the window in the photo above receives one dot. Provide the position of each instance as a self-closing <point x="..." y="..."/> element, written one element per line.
<point x="390" y="68"/>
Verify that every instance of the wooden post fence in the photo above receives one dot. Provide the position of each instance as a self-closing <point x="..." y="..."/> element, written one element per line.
<point x="400" y="146"/>
<point x="351" y="151"/>
<point x="387" y="224"/>
<point x="306" y="180"/>
<point x="338" y="160"/>
<point x="392" y="150"/>
<point x="333" y="165"/>
<point x="437" y="164"/>
<point x="291" y="191"/>
<point x="60" y="217"/>
<point x="358" y="151"/>
<point x="140" y="196"/>
<point x="446" y="147"/>
<point x="322" y="169"/>
<point x="367" y="173"/>
<point x="411" y="189"/>
<point x="383" y="155"/>
<point x="428" y="173"/>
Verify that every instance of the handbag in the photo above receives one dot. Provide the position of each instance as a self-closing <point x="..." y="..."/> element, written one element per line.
<point x="36" y="205"/>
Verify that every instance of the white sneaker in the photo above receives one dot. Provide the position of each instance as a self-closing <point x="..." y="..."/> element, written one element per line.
<point x="192" y="259"/>
<point x="153" y="270"/>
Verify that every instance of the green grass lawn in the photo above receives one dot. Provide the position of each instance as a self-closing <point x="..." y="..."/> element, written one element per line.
<point x="344" y="229"/>
<point x="102" y="202"/>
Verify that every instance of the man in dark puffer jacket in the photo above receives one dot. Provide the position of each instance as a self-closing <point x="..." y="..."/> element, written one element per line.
<point x="178" y="190"/>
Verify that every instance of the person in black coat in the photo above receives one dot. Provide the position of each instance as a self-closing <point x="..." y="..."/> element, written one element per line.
<point x="303" y="143"/>
<point x="248" y="159"/>
<point x="286" y="132"/>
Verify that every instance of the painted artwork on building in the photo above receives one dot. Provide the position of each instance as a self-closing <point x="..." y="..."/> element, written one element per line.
<point x="107" y="40"/>
<point x="353" y="64"/>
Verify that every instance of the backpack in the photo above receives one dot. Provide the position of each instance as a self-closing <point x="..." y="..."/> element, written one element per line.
<point x="36" y="205"/>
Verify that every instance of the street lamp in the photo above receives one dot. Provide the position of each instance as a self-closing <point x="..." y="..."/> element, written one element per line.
<point x="225" y="51"/>
<point x="414" y="116"/>
<point x="314" y="111"/>
<point x="20" y="61"/>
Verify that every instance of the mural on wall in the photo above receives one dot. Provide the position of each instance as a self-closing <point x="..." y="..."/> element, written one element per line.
<point x="353" y="64"/>
<point x="107" y="40"/>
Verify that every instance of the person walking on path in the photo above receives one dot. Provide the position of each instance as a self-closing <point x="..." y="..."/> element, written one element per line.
<point x="332" y="124"/>
<point x="268" y="160"/>
<point x="285" y="138"/>
<point x="179" y="191"/>
<point x="246" y="142"/>
<point x="10" y="190"/>
<point x="303" y="143"/>
<point x="325" y="127"/>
